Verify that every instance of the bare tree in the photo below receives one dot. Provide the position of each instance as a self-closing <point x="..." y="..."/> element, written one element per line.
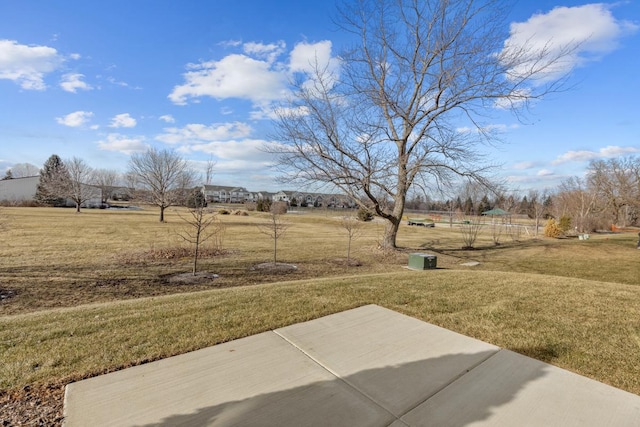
<point x="106" y="180"/>
<point x="209" y="170"/>
<point x="388" y="116"/>
<point x="275" y="228"/>
<point x="201" y="225"/>
<point x="162" y="177"/>
<point x="22" y="170"/>
<point x="578" y="202"/>
<point x="353" y="227"/>
<point x="615" y="182"/>
<point x="78" y="187"/>
<point x="536" y="208"/>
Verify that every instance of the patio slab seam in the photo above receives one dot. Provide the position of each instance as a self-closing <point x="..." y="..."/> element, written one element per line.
<point x="338" y="377"/>
<point x="452" y="382"/>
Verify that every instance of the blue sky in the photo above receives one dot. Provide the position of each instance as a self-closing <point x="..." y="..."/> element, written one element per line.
<point x="100" y="80"/>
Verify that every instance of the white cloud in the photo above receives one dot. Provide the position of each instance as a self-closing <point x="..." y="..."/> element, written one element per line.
<point x="586" y="155"/>
<point x="545" y="172"/>
<point x="167" y="118"/>
<point x="305" y="56"/>
<point x="123" y="120"/>
<point x="230" y="43"/>
<point x="524" y="165"/>
<point x="75" y="119"/>
<point x="255" y="75"/>
<point x="247" y="151"/>
<point x="270" y="51"/>
<point x="491" y="128"/>
<point x="591" y="30"/>
<point x="75" y="56"/>
<point x="73" y="81"/>
<point x="27" y="65"/>
<point x="234" y="76"/>
<point x="123" y="144"/>
<point x="273" y="112"/>
<point x="515" y="99"/>
<point x="193" y="134"/>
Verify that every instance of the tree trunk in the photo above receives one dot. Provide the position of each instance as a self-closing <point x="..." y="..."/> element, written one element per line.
<point x="394" y="220"/>
<point x="275" y="251"/>
<point x="161" y="213"/>
<point x="390" y="233"/>
<point x="77" y="207"/>
<point x="195" y="260"/>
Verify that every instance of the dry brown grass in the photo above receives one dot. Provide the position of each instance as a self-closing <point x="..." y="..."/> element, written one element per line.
<point x="572" y="303"/>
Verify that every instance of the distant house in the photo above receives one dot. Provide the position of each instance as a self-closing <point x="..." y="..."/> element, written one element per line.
<point x="227" y="194"/>
<point x="19" y="189"/>
<point x="264" y="195"/>
<point x="317" y="199"/>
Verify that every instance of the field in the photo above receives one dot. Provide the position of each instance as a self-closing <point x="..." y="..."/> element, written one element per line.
<point x="83" y="294"/>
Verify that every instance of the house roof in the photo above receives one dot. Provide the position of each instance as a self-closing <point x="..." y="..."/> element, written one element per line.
<point x="208" y="187"/>
<point x="496" y="212"/>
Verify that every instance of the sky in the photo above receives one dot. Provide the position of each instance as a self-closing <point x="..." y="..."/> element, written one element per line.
<point x="100" y="80"/>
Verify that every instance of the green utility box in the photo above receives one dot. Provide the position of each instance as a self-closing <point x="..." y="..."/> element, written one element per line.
<point x="422" y="261"/>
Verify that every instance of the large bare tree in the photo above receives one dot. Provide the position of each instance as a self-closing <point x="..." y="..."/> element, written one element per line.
<point x="389" y="116"/>
<point x="577" y="201"/>
<point x="162" y="177"/>
<point x="616" y="183"/>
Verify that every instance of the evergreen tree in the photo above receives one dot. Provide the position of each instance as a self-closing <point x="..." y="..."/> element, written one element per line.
<point x="458" y="204"/>
<point x="468" y="207"/>
<point x="196" y="199"/>
<point x="54" y="179"/>
<point x="484" y="205"/>
<point x="8" y="175"/>
<point x="524" y="207"/>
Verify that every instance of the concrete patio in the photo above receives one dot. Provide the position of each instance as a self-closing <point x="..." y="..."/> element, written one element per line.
<point x="369" y="366"/>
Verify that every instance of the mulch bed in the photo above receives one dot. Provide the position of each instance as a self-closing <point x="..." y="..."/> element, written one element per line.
<point x="32" y="406"/>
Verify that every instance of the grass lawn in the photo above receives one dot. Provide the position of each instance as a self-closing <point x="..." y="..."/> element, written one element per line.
<point x="88" y="293"/>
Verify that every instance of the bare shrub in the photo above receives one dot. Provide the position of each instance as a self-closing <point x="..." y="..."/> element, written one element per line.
<point x="496" y="232"/>
<point x="514" y="231"/>
<point x="278" y="208"/>
<point x="469" y="231"/>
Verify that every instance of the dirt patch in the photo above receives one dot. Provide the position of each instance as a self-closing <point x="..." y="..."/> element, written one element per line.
<point x="351" y="262"/>
<point x="278" y="267"/>
<point x="201" y="277"/>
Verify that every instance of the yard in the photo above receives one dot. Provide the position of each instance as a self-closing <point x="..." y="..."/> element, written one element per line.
<point x="83" y="294"/>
